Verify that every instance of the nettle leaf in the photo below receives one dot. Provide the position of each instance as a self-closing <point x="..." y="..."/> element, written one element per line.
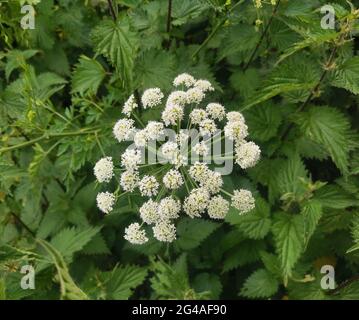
<point x="355" y="234"/>
<point x="155" y="69"/>
<point x="187" y="10"/>
<point x="256" y="224"/>
<point x="17" y="59"/>
<point x="118" y="44"/>
<point x="170" y="281"/>
<point x="247" y="251"/>
<point x="335" y="197"/>
<point x="240" y="38"/>
<point x="97" y="245"/>
<point x="329" y="127"/>
<point x="288" y="231"/>
<point x="312" y="39"/>
<point x="71" y="240"/>
<point x="347" y="75"/>
<point x="288" y="179"/>
<point x="120" y="282"/>
<point x="260" y="284"/>
<point x="191" y="232"/>
<point x="264" y="121"/>
<point x="294" y="79"/>
<point x="246" y="82"/>
<point x="87" y="76"/>
<point x="312" y="212"/>
<point x="272" y="263"/>
<point x="208" y="282"/>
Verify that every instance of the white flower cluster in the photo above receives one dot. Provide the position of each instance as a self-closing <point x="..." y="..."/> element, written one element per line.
<point x="159" y="182"/>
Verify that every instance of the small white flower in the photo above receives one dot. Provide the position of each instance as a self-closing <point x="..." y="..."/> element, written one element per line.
<point x="236" y="131"/>
<point x="172" y="114"/>
<point x="207" y="127"/>
<point x="196" y="203"/>
<point x="148" y="186"/>
<point x="179" y="160"/>
<point x="216" y="111"/>
<point x="141" y="138"/>
<point x="129" y="180"/>
<point x="194" y="95"/>
<point x="151" y="98"/>
<point x="129" y="105"/>
<point x="164" y="231"/>
<point x="173" y="179"/>
<point x="247" y="154"/>
<point x="203" y="85"/>
<point x="212" y="182"/>
<point x="218" y="207"/>
<point x="103" y="169"/>
<point x="149" y="212"/>
<point x="198" y="115"/>
<point x="199" y="171"/>
<point x="178" y="98"/>
<point x="135" y="235"/>
<point x="235" y="116"/>
<point x="130" y="159"/>
<point x="123" y="129"/>
<point x="201" y="149"/>
<point x="154" y="130"/>
<point x="184" y="79"/>
<point x="169" y="208"/>
<point x="169" y="150"/>
<point x="105" y="201"/>
<point x="243" y="200"/>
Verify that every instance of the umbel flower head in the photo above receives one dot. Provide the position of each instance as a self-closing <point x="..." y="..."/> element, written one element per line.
<point x="179" y="182"/>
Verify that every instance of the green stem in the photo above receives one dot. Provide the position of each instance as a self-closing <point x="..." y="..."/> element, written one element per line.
<point x="45" y="137"/>
<point x="138" y="119"/>
<point x="215" y="30"/>
<point x="227" y="193"/>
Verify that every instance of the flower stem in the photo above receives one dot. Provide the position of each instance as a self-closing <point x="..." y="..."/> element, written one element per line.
<point x="46" y="137"/>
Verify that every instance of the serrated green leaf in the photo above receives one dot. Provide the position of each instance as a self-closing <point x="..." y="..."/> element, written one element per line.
<point x="118" y="44"/>
<point x="121" y="281"/>
<point x="245" y="252"/>
<point x="347" y="75"/>
<point x="208" y="282"/>
<point x="288" y="179"/>
<point x="191" y="232"/>
<point x="312" y="212"/>
<point x="264" y="121"/>
<point x="71" y="240"/>
<point x="256" y="224"/>
<point x="333" y="196"/>
<point x="288" y="234"/>
<point x="329" y="127"/>
<point x="87" y="76"/>
<point x="260" y="284"/>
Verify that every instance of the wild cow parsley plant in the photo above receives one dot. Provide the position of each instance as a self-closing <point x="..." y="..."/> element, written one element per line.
<point x="174" y="168"/>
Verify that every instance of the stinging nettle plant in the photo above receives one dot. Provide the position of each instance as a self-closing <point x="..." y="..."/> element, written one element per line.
<point x="183" y="109"/>
<point x="93" y="82"/>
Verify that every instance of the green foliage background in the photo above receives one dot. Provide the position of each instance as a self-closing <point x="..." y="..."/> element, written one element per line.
<point x="62" y="87"/>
